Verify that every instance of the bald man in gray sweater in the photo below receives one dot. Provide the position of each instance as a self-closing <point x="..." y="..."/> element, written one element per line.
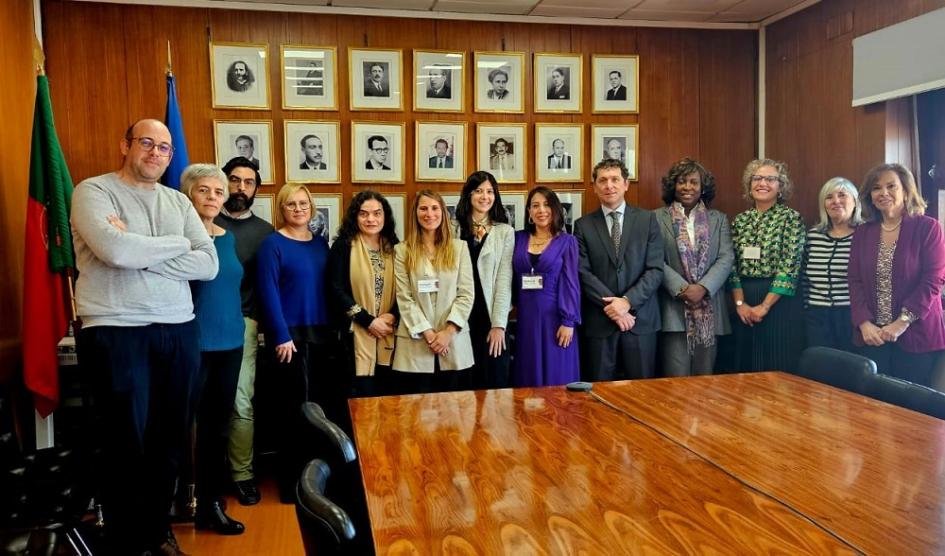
<point x="138" y="244"/>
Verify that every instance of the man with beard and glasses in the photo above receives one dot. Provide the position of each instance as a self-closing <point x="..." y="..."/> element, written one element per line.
<point x="249" y="231"/>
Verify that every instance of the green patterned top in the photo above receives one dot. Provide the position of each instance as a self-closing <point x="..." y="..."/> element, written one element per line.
<point x="779" y="232"/>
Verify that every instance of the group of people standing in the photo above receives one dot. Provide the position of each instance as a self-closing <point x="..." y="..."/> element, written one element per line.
<point x="175" y="287"/>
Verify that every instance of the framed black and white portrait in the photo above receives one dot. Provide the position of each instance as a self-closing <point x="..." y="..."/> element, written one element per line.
<point x="326" y="215"/>
<point x="262" y="206"/>
<point x="499" y="82"/>
<point x="559" y="152"/>
<point x="514" y="203"/>
<point x="440" y="151"/>
<point x="572" y="201"/>
<point x="451" y="200"/>
<point x="501" y="150"/>
<point x="375" y="78"/>
<point x="309" y="77"/>
<point x="239" y="75"/>
<point x="398" y="207"/>
<point x="312" y="151"/>
<point x="618" y="142"/>
<point x="616" y="84"/>
<point x="558" y="80"/>
<point x="251" y="139"/>
<point x="438" y="80"/>
<point x="377" y="152"/>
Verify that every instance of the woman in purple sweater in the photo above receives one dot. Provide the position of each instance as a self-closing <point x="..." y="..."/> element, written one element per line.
<point x="897" y="268"/>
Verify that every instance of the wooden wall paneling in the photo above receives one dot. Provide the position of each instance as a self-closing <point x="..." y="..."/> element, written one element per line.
<point x="16" y="113"/>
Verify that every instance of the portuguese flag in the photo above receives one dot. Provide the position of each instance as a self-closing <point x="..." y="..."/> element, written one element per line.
<point x="48" y="256"/>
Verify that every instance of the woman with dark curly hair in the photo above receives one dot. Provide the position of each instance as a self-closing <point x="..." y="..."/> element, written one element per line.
<point x="699" y="257"/>
<point x="769" y="246"/>
<point x="484" y="226"/>
<point x="361" y="290"/>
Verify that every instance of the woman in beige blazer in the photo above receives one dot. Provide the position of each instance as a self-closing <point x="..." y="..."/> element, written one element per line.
<point x="435" y="294"/>
<point x="483" y="223"/>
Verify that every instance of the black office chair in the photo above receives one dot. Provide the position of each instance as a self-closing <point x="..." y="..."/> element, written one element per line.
<point x="907" y="394"/>
<point x="342" y="447"/>
<point x="325" y="526"/>
<point x="841" y="369"/>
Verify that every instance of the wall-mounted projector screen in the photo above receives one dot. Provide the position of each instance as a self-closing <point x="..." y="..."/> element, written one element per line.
<point x="900" y="60"/>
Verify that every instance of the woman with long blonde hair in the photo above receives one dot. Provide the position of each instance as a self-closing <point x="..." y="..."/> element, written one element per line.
<point x="435" y="292"/>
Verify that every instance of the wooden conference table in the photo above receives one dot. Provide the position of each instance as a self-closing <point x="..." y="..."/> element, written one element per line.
<point x="727" y="464"/>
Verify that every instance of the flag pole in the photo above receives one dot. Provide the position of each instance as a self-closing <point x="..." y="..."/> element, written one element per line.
<point x="170" y="69"/>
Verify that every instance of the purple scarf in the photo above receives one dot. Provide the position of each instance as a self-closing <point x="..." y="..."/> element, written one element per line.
<point x="700" y="319"/>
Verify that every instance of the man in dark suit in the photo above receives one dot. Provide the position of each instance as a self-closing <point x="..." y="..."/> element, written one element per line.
<point x="439" y="86"/>
<point x="246" y="147"/>
<point x="374" y="86"/>
<point x="559" y="160"/>
<point x="442" y="159"/>
<point x="377" y="153"/>
<point x="617" y="90"/>
<point x="621" y="268"/>
<point x="313" y="152"/>
<point x="559" y="89"/>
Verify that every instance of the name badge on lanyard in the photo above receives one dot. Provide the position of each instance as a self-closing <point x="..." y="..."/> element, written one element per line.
<point x="752" y="252"/>
<point x="532" y="281"/>
<point x="428" y="285"/>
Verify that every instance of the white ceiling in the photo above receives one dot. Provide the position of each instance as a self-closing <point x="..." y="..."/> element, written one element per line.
<point x="706" y="11"/>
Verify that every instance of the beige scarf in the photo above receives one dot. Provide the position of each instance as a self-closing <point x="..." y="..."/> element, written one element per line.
<point x="368" y="350"/>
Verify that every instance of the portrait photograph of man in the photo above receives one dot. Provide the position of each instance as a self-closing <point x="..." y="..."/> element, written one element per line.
<point x="617" y="90"/>
<point x="378" y="153"/>
<point x="376" y="80"/>
<point x="502" y="157"/>
<point x="559" y="159"/>
<point x="443" y="157"/>
<point x="312" y="153"/>
<point x="246" y="147"/>
<point x="311" y="78"/>
<point x="558" y="86"/>
<point x="239" y="77"/>
<point x="614" y="83"/>
<point x="320" y="224"/>
<point x="438" y="84"/>
<point x="614" y="148"/>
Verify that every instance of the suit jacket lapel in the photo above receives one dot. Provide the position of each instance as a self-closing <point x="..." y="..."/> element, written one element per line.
<point x="624" y="232"/>
<point x="603" y="230"/>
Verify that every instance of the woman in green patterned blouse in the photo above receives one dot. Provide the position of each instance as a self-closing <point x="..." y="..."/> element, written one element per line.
<point x="769" y="246"/>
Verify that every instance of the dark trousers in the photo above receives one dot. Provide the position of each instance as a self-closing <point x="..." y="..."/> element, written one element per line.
<point x="893" y="361"/>
<point x="426" y="383"/>
<point x="829" y="327"/>
<point x="216" y="390"/>
<point x="144" y="378"/>
<point x="488" y="371"/>
<point x="621" y="355"/>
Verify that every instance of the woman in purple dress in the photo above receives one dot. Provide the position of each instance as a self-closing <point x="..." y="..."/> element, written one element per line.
<point x="548" y="295"/>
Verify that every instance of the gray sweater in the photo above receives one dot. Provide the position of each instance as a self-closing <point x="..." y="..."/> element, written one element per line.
<point x="139" y="276"/>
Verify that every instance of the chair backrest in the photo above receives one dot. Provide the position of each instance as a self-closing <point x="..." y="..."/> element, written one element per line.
<point x="313" y="414"/>
<point x="907" y="394"/>
<point x="841" y="369"/>
<point x="325" y="527"/>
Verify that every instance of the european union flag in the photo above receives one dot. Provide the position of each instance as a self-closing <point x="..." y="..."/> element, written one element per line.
<point x="174" y="123"/>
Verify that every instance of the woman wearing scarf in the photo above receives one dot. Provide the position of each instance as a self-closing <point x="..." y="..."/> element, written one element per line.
<point x="361" y="289"/>
<point x="699" y="258"/>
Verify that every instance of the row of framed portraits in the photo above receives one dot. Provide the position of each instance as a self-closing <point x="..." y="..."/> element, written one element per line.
<point x="328" y="207"/>
<point x="379" y="153"/>
<point x="240" y="79"/>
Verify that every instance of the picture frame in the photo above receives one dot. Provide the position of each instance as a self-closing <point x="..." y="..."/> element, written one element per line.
<point x="615" y="84"/>
<point x="440" y="151"/>
<point x="439" y="78"/>
<point x="492" y="92"/>
<point x="326" y="215"/>
<point x="375" y="79"/>
<point x="262" y="206"/>
<point x="559" y="153"/>
<point x="609" y="140"/>
<point x="514" y="202"/>
<point x="309" y="77"/>
<point x="239" y="75"/>
<point x="451" y="200"/>
<point x="558" y="82"/>
<point x="312" y="151"/>
<point x="370" y="163"/>
<point x="501" y="149"/>
<point x="572" y="200"/>
<point x="398" y="206"/>
<point x="249" y="138"/>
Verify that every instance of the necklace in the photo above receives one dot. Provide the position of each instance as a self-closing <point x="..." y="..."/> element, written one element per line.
<point x="893" y="228"/>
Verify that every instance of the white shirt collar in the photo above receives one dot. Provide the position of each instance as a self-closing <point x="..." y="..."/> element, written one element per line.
<point x="621" y="209"/>
<point x="245" y="216"/>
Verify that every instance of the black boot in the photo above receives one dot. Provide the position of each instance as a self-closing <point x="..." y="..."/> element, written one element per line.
<point x="211" y="516"/>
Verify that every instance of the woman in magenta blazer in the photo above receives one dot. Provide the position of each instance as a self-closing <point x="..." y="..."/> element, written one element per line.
<point x="897" y="268"/>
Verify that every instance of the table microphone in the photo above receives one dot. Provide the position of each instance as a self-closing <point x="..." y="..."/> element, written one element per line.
<point x="579" y="386"/>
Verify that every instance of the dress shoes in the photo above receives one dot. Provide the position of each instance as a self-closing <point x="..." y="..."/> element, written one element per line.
<point x="247" y="493"/>
<point x="213" y="517"/>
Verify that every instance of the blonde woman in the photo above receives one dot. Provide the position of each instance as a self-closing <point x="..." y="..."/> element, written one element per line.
<point x="435" y="294"/>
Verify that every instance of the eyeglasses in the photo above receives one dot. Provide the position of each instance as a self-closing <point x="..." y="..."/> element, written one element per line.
<point x="298" y="206"/>
<point x="236" y="180"/>
<point x="148" y="144"/>
<point x="767" y="179"/>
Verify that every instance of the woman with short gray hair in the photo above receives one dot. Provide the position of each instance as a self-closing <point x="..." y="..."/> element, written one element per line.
<point x="218" y="310"/>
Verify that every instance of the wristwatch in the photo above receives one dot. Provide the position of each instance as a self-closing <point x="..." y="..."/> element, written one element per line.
<point x="907" y="316"/>
<point x="739" y="303"/>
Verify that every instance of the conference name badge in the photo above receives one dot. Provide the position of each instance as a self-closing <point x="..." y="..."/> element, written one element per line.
<point x="751" y="252"/>
<point x="428" y="285"/>
<point x="532" y="282"/>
